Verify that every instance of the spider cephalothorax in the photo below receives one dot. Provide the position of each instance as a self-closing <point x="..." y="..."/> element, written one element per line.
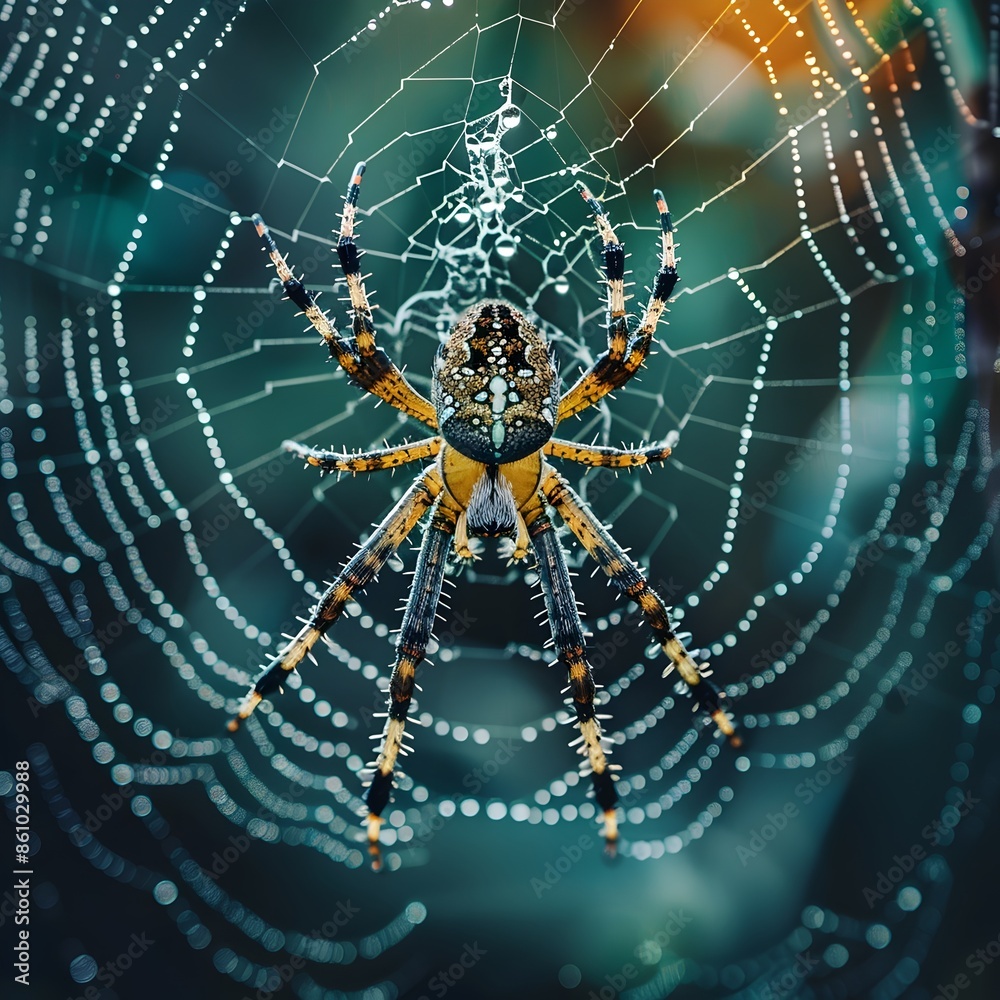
<point x="495" y="404"/>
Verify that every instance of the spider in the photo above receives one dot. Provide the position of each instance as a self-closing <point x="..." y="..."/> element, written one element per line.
<point x="495" y="403"/>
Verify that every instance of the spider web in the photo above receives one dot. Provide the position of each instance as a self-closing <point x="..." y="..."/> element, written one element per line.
<point x="822" y="529"/>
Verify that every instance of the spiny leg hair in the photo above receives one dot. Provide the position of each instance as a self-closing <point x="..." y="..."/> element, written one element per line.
<point x="365" y="461"/>
<point x="357" y="573"/>
<point x="608" y="458"/>
<point x="625" y="354"/>
<point x="367" y="365"/>
<point x="570" y="642"/>
<point x="411" y="647"/>
<point x="627" y="577"/>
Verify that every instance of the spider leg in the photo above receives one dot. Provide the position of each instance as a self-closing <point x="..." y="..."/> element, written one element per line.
<point x="357" y="573"/>
<point x="365" y="461"/>
<point x="569" y="640"/>
<point x="411" y="646"/>
<point x="370" y="355"/>
<point x="628" y="578"/>
<point x="625" y="355"/>
<point x="371" y="368"/>
<point x="463" y="547"/>
<point x="610" y="458"/>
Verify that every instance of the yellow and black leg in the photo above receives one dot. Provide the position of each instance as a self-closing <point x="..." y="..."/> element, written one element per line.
<point x="357" y="573"/>
<point x="608" y="458"/>
<point x="411" y="646"/>
<point x="626" y="353"/>
<point x="373" y="360"/>
<point x="367" y="365"/>
<point x="365" y="461"/>
<point x="569" y="640"/>
<point x="627" y="577"/>
<point x="613" y="257"/>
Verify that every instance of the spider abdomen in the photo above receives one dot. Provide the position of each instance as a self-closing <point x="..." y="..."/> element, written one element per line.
<point x="495" y="387"/>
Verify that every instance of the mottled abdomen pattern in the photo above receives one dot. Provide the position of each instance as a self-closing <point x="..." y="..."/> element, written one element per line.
<point x="495" y="389"/>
